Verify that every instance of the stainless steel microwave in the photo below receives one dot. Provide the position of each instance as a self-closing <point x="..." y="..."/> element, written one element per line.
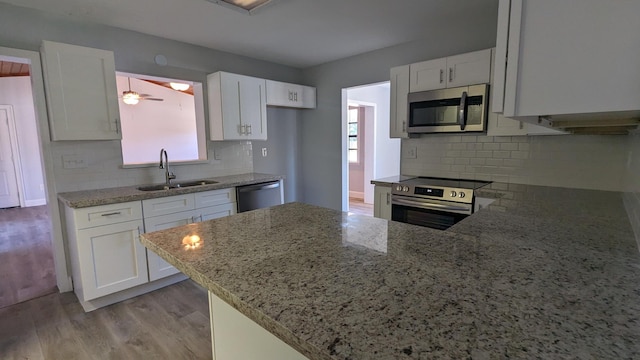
<point x="461" y="109"/>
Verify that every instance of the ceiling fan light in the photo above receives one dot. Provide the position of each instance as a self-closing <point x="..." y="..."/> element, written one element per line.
<point x="130" y="97"/>
<point x="179" y="86"/>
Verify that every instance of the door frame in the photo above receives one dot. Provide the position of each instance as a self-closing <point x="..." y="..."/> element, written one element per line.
<point x="15" y="151"/>
<point x="32" y="58"/>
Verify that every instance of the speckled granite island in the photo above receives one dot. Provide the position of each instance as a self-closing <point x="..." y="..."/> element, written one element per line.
<point x="541" y="273"/>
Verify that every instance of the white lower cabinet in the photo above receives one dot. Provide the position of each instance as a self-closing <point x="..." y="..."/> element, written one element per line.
<point x="106" y="254"/>
<point x="116" y="260"/>
<point x="382" y="202"/>
<point x="108" y="262"/>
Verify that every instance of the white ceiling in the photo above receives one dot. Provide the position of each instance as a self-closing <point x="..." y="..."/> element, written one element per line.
<point x="299" y="33"/>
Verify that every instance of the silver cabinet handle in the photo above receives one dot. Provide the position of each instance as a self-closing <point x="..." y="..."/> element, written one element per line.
<point x="441" y="75"/>
<point x="388" y="198"/>
<point x="450" y="74"/>
<point x="248" y="127"/>
<point x="117" y="125"/>
<point x="112" y="213"/>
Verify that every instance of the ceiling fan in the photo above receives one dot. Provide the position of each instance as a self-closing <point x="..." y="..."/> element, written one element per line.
<point x="131" y="97"/>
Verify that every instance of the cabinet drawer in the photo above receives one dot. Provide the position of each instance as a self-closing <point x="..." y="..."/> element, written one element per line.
<point x="215" y="212"/>
<point x="168" y="205"/>
<point x="107" y="214"/>
<point x="215" y="197"/>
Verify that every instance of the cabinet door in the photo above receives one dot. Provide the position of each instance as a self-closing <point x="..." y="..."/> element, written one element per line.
<point x="469" y="69"/>
<point x="559" y="62"/>
<point x="82" y="97"/>
<point x="499" y="125"/>
<point x="215" y="197"/>
<point x="111" y="258"/>
<point x="428" y="75"/>
<point x="253" y="108"/>
<point x="158" y="268"/>
<point x="290" y="95"/>
<point x="398" y="104"/>
<point x="237" y="106"/>
<point x="215" y="212"/>
<point x="382" y="202"/>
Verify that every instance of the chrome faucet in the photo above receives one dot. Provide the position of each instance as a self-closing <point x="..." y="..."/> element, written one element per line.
<point x="168" y="176"/>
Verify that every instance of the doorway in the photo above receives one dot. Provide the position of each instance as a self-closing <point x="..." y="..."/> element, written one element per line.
<point x="368" y="152"/>
<point x="26" y="250"/>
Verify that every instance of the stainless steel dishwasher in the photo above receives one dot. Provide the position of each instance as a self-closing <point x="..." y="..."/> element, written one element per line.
<point x="257" y="196"/>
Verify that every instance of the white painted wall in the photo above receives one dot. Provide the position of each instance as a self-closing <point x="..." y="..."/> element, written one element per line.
<point x="382" y="152"/>
<point x="16" y="91"/>
<point x="169" y="124"/>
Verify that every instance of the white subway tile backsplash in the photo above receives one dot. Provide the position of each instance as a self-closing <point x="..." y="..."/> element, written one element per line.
<point x="578" y="161"/>
<point x="104" y="165"/>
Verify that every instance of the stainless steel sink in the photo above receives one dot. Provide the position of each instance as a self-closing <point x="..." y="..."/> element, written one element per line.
<point x="177" y="185"/>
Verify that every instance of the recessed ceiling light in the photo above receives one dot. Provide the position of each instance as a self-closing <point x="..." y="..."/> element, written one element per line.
<point x="246" y="6"/>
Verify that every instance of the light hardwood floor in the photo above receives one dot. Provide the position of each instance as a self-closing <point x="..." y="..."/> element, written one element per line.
<point x="170" y="323"/>
<point x="26" y="255"/>
<point x="358" y="206"/>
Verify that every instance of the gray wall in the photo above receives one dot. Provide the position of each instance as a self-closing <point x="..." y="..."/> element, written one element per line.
<point x="321" y="128"/>
<point x="282" y="155"/>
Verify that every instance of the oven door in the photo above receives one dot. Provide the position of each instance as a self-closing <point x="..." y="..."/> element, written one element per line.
<point x="426" y="212"/>
<point x="449" y="110"/>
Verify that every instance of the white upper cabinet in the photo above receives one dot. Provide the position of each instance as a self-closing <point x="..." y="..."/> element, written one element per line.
<point x="567" y="57"/>
<point x="398" y="104"/>
<point x="290" y="95"/>
<point x="459" y="70"/>
<point x="82" y="97"/>
<point x="237" y="107"/>
<point x="499" y="125"/>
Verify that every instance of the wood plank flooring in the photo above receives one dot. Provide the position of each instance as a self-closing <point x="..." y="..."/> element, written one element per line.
<point x="170" y="323"/>
<point x="26" y="255"/>
<point x="358" y="206"/>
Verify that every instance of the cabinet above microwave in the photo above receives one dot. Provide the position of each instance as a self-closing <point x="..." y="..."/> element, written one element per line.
<point x="575" y="64"/>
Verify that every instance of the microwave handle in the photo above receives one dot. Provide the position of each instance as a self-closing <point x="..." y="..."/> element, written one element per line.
<point x="462" y="112"/>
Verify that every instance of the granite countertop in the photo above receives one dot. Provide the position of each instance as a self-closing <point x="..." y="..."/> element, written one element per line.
<point x="540" y="273"/>
<point x="81" y="199"/>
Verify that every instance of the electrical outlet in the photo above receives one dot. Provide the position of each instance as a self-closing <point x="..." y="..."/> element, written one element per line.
<point x="410" y="152"/>
<point x="264" y="152"/>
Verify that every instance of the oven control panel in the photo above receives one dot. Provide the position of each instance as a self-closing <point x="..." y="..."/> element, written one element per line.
<point x="442" y="193"/>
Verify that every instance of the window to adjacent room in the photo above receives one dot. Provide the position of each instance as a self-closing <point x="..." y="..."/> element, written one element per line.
<point x="354" y="134"/>
<point x="162" y="118"/>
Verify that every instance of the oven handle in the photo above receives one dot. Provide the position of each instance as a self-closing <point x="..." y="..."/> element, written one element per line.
<point x="427" y="205"/>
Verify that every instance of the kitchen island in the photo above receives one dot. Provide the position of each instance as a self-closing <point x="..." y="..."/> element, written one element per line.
<point x="503" y="283"/>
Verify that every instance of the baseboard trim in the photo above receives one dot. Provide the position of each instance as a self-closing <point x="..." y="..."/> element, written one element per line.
<point x="356" y="194"/>
<point x="94" y="304"/>
<point x="36" y="202"/>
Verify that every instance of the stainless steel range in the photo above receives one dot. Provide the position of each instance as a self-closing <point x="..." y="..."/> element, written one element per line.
<point x="433" y="202"/>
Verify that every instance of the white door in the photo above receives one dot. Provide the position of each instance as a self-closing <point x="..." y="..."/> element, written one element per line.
<point x="8" y="182"/>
